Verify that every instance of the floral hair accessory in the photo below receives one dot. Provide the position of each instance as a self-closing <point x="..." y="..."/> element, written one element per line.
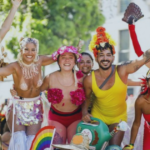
<point x="100" y="39"/>
<point x="65" y="49"/>
<point x="71" y="49"/>
<point x="55" y="96"/>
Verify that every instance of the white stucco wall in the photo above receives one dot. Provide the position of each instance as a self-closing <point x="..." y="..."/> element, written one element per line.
<point x="114" y="23"/>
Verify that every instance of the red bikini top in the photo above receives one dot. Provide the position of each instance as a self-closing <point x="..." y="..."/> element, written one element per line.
<point x="55" y="95"/>
<point x="147" y="117"/>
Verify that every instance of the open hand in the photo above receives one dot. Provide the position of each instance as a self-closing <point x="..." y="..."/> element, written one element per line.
<point x="16" y="3"/>
<point x="86" y="117"/>
<point x="13" y="92"/>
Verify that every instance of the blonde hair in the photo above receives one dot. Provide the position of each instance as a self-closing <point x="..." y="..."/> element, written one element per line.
<point x="23" y="42"/>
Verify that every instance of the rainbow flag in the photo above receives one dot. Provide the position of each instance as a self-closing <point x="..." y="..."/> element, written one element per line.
<point x="43" y="138"/>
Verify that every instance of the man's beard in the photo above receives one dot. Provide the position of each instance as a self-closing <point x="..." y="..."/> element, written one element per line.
<point x="103" y="67"/>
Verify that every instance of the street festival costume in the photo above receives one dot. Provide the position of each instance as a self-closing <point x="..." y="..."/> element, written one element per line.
<point x="55" y="95"/>
<point x="109" y="105"/>
<point x="28" y="111"/>
<point x="133" y="12"/>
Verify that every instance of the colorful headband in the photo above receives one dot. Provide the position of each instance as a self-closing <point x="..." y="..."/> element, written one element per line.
<point x="100" y="39"/>
<point x="71" y="49"/>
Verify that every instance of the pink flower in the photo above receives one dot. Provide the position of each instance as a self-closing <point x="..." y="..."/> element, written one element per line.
<point x="65" y="49"/>
<point x="78" y="96"/>
<point x="79" y="74"/>
<point x="55" y="96"/>
<point x="80" y="85"/>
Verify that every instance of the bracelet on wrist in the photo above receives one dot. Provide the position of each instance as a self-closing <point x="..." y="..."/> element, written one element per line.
<point x="130" y="146"/>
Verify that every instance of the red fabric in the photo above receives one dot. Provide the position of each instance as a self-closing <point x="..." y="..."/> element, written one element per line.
<point x="147" y="117"/>
<point x="135" y="41"/>
<point x="65" y="120"/>
<point x="146" y="140"/>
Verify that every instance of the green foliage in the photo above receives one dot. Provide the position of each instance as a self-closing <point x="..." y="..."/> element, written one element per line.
<point x="57" y="22"/>
<point x="13" y="45"/>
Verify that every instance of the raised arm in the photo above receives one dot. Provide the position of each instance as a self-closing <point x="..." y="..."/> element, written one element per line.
<point x="135" y="41"/>
<point x="8" y="21"/>
<point x="133" y="66"/>
<point x="133" y="83"/>
<point x="7" y="70"/>
<point x="87" y="83"/>
<point x="46" y="60"/>
<point x="130" y="17"/>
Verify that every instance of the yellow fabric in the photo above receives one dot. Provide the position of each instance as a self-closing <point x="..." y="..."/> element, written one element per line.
<point x="129" y="147"/>
<point x="110" y="105"/>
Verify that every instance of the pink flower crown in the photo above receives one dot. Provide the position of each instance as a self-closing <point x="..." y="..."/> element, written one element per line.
<point x="65" y="49"/>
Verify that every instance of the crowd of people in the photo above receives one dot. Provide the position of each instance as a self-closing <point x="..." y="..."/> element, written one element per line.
<point x="74" y="95"/>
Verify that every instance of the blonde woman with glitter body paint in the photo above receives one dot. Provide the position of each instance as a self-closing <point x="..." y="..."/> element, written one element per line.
<point x="27" y="105"/>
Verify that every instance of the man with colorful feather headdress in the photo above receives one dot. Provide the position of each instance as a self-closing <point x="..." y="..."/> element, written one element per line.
<point x="109" y="105"/>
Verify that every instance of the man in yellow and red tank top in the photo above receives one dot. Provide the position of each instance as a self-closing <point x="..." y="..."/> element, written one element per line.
<point x="109" y="105"/>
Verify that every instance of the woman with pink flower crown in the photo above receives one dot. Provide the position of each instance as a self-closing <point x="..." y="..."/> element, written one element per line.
<point x="65" y="93"/>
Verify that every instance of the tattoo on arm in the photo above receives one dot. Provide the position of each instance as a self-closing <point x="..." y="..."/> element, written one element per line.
<point x="147" y="55"/>
<point x="136" y="67"/>
<point x="126" y="63"/>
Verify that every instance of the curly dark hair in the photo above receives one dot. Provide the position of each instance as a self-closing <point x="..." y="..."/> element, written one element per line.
<point x="106" y="46"/>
